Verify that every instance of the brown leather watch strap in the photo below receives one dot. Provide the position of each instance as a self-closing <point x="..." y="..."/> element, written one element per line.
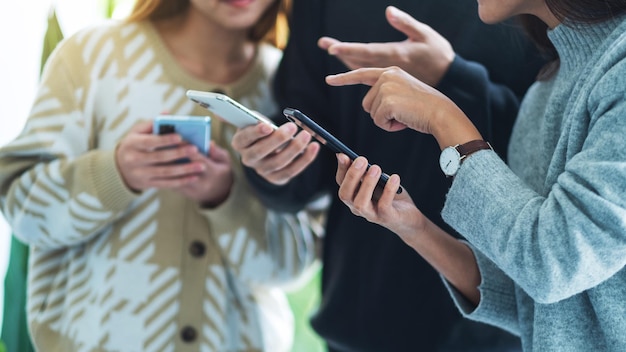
<point x="470" y="147"/>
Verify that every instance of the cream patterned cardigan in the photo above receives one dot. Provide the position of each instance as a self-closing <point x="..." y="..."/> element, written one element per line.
<point x="112" y="270"/>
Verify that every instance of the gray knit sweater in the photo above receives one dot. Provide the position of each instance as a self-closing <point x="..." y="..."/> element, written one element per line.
<point x="549" y="233"/>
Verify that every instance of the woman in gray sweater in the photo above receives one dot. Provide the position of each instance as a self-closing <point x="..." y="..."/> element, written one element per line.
<point x="546" y="235"/>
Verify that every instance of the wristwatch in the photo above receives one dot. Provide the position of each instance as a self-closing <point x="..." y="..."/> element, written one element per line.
<point x="451" y="157"/>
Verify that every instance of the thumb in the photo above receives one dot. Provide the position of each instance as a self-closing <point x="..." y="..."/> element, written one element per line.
<point x="142" y="127"/>
<point x="406" y="24"/>
<point x="218" y="153"/>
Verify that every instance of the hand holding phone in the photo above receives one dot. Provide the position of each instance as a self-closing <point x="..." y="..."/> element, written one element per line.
<point x="227" y="109"/>
<point x="327" y="139"/>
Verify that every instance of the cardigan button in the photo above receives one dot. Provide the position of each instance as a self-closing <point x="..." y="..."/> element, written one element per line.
<point x="188" y="334"/>
<point x="197" y="249"/>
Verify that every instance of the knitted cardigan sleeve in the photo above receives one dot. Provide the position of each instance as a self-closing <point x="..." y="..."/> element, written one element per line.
<point x="56" y="190"/>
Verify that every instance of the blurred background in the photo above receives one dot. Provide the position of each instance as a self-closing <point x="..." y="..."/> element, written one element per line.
<point x="23" y="26"/>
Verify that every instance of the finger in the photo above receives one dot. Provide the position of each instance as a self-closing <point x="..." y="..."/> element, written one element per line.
<point x="255" y="145"/>
<point x="363" y="199"/>
<point x="142" y="127"/>
<point x="367" y="76"/>
<point x="218" y="154"/>
<point x="382" y="117"/>
<point x="325" y="42"/>
<point x="275" y="144"/>
<point x="343" y="162"/>
<point x="283" y="157"/>
<point x="352" y="181"/>
<point x="284" y="175"/>
<point x="360" y="52"/>
<point x="172" y="171"/>
<point x="370" y="100"/>
<point x="247" y="136"/>
<point x="389" y="192"/>
<point x="357" y="55"/>
<point x="140" y="137"/>
<point x="406" y="24"/>
<point x="171" y="154"/>
<point x="151" y="142"/>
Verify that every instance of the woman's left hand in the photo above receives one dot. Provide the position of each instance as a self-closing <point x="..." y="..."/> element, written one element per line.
<point x="215" y="181"/>
<point x="359" y="191"/>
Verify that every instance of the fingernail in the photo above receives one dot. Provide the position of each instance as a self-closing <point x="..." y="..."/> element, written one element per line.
<point x="393" y="14"/>
<point x="292" y="128"/>
<point x="359" y="164"/>
<point x="265" y="128"/>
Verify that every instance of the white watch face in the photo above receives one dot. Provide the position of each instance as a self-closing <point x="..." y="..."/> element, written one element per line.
<point x="450" y="161"/>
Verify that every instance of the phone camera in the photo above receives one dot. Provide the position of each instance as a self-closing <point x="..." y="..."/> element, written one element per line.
<point x="165" y="129"/>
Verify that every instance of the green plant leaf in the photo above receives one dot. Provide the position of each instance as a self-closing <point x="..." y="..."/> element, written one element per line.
<point x="52" y="37"/>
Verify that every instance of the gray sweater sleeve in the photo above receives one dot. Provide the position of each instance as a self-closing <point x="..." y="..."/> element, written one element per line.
<point x="570" y="239"/>
<point x="497" y="292"/>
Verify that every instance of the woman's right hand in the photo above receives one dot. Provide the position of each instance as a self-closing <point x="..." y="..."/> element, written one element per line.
<point x="145" y="160"/>
<point x="397" y="100"/>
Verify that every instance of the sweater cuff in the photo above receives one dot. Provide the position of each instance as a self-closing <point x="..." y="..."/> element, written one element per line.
<point x="497" y="304"/>
<point x="107" y="181"/>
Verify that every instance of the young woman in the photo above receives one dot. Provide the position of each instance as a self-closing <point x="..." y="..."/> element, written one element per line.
<point x="546" y="236"/>
<point x="130" y="251"/>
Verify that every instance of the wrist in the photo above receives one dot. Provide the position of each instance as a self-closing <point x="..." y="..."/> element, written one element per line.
<point x="215" y="201"/>
<point x="451" y="127"/>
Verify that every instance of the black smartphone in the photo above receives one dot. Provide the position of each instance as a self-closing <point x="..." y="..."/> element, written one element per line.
<point x="327" y="139"/>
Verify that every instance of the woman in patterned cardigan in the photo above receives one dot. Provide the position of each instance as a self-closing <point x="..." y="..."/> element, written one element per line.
<point x="130" y="251"/>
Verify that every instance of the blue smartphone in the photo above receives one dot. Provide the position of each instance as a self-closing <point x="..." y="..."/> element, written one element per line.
<point x="195" y="130"/>
<point x="327" y="139"/>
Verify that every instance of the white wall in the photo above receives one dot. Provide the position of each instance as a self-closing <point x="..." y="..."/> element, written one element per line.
<point x="22" y="27"/>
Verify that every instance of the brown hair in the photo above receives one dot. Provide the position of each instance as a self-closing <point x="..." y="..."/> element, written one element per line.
<point x="572" y="11"/>
<point x="272" y="26"/>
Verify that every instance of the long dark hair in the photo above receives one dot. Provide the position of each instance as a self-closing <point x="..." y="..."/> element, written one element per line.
<point x="568" y="11"/>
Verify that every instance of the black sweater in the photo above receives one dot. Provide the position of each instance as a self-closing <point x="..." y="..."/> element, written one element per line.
<point x="377" y="293"/>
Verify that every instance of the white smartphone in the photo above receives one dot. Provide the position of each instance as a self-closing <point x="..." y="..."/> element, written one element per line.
<point x="227" y="109"/>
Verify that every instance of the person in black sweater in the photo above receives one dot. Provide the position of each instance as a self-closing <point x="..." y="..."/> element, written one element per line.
<point x="377" y="293"/>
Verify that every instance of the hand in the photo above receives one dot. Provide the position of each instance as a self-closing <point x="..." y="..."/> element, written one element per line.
<point x="398" y="213"/>
<point x="276" y="155"/>
<point x="358" y="190"/>
<point x="425" y="54"/>
<point x="398" y="100"/>
<point x="144" y="161"/>
<point x="213" y="184"/>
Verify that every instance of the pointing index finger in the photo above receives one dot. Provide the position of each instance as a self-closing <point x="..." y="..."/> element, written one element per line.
<point x="367" y="76"/>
